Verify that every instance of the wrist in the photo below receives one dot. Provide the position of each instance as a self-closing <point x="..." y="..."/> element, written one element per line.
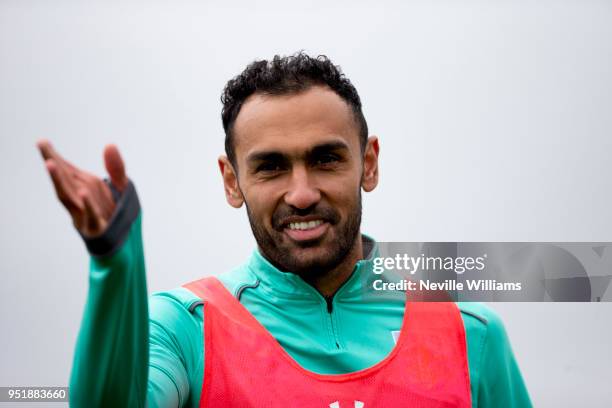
<point x="127" y="208"/>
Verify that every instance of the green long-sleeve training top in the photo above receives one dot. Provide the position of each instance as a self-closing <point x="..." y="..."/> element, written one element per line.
<point x="135" y="350"/>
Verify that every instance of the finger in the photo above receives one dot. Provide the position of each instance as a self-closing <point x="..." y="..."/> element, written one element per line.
<point x="102" y="195"/>
<point x="45" y="148"/>
<point x="63" y="189"/>
<point x="94" y="224"/>
<point x="105" y="198"/>
<point x="69" y="176"/>
<point x="48" y="152"/>
<point x="100" y="192"/>
<point x="115" y="167"/>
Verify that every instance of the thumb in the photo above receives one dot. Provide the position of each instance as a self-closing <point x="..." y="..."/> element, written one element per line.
<point x="115" y="167"/>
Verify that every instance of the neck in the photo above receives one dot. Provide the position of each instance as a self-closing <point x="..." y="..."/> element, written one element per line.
<point x="329" y="283"/>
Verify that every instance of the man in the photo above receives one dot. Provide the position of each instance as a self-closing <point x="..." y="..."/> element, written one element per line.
<point x="294" y="326"/>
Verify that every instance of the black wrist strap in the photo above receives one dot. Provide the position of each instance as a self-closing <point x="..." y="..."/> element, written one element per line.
<point x="126" y="210"/>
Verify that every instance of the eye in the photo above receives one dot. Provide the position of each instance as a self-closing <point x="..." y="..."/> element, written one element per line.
<point x="327" y="159"/>
<point x="269" y="167"/>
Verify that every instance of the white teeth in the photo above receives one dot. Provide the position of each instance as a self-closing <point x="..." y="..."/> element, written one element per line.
<point x="305" y="225"/>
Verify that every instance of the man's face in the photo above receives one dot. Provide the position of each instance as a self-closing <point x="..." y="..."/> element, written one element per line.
<point x="300" y="172"/>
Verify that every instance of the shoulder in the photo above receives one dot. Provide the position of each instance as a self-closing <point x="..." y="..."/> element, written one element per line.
<point x="236" y="280"/>
<point x="476" y="310"/>
<point x="484" y="328"/>
<point x="496" y="377"/>
<point x="168" y="304"/>
<point x="172" y="301"/>
<point x="477" y="315"/>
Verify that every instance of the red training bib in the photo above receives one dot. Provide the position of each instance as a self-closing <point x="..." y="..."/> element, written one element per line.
<point x="244" y="365"/>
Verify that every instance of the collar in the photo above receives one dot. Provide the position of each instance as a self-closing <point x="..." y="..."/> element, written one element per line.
<point x="289" y="285"/>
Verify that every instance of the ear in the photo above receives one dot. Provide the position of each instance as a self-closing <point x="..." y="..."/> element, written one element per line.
<point x="233" y="195"/>
<point x="369" y="179"/>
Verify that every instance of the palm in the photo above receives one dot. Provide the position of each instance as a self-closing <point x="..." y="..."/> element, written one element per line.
<point x="87" y="197"/>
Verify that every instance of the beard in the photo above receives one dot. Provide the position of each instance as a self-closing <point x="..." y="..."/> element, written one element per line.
<point x="281" y="251"/>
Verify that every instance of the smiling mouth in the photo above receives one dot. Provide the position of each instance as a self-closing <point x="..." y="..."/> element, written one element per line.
<point x="306" y="230"/>
<point x="302" y="226"/>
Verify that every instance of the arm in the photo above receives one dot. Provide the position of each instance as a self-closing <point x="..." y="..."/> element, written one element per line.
<point x="111" y="358"/>
<point x="111" y="362"/>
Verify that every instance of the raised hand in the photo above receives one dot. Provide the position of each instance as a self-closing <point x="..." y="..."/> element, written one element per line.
<point x="87" y="197"/>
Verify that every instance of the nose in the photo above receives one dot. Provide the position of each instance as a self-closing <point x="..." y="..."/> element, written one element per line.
<point x="301" y="193"/>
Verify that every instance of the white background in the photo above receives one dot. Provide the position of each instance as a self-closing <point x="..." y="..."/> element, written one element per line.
<point x="494" y="121"/>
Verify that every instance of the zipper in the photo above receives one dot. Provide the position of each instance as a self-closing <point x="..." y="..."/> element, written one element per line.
<point x="329" y="300"/>
<point x="330" y="304"/>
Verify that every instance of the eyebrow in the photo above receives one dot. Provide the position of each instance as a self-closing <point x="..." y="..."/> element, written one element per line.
<point x="274" y="155"/>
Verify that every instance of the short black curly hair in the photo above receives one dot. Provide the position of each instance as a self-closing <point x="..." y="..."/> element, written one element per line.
<point x="287" y="75"/>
